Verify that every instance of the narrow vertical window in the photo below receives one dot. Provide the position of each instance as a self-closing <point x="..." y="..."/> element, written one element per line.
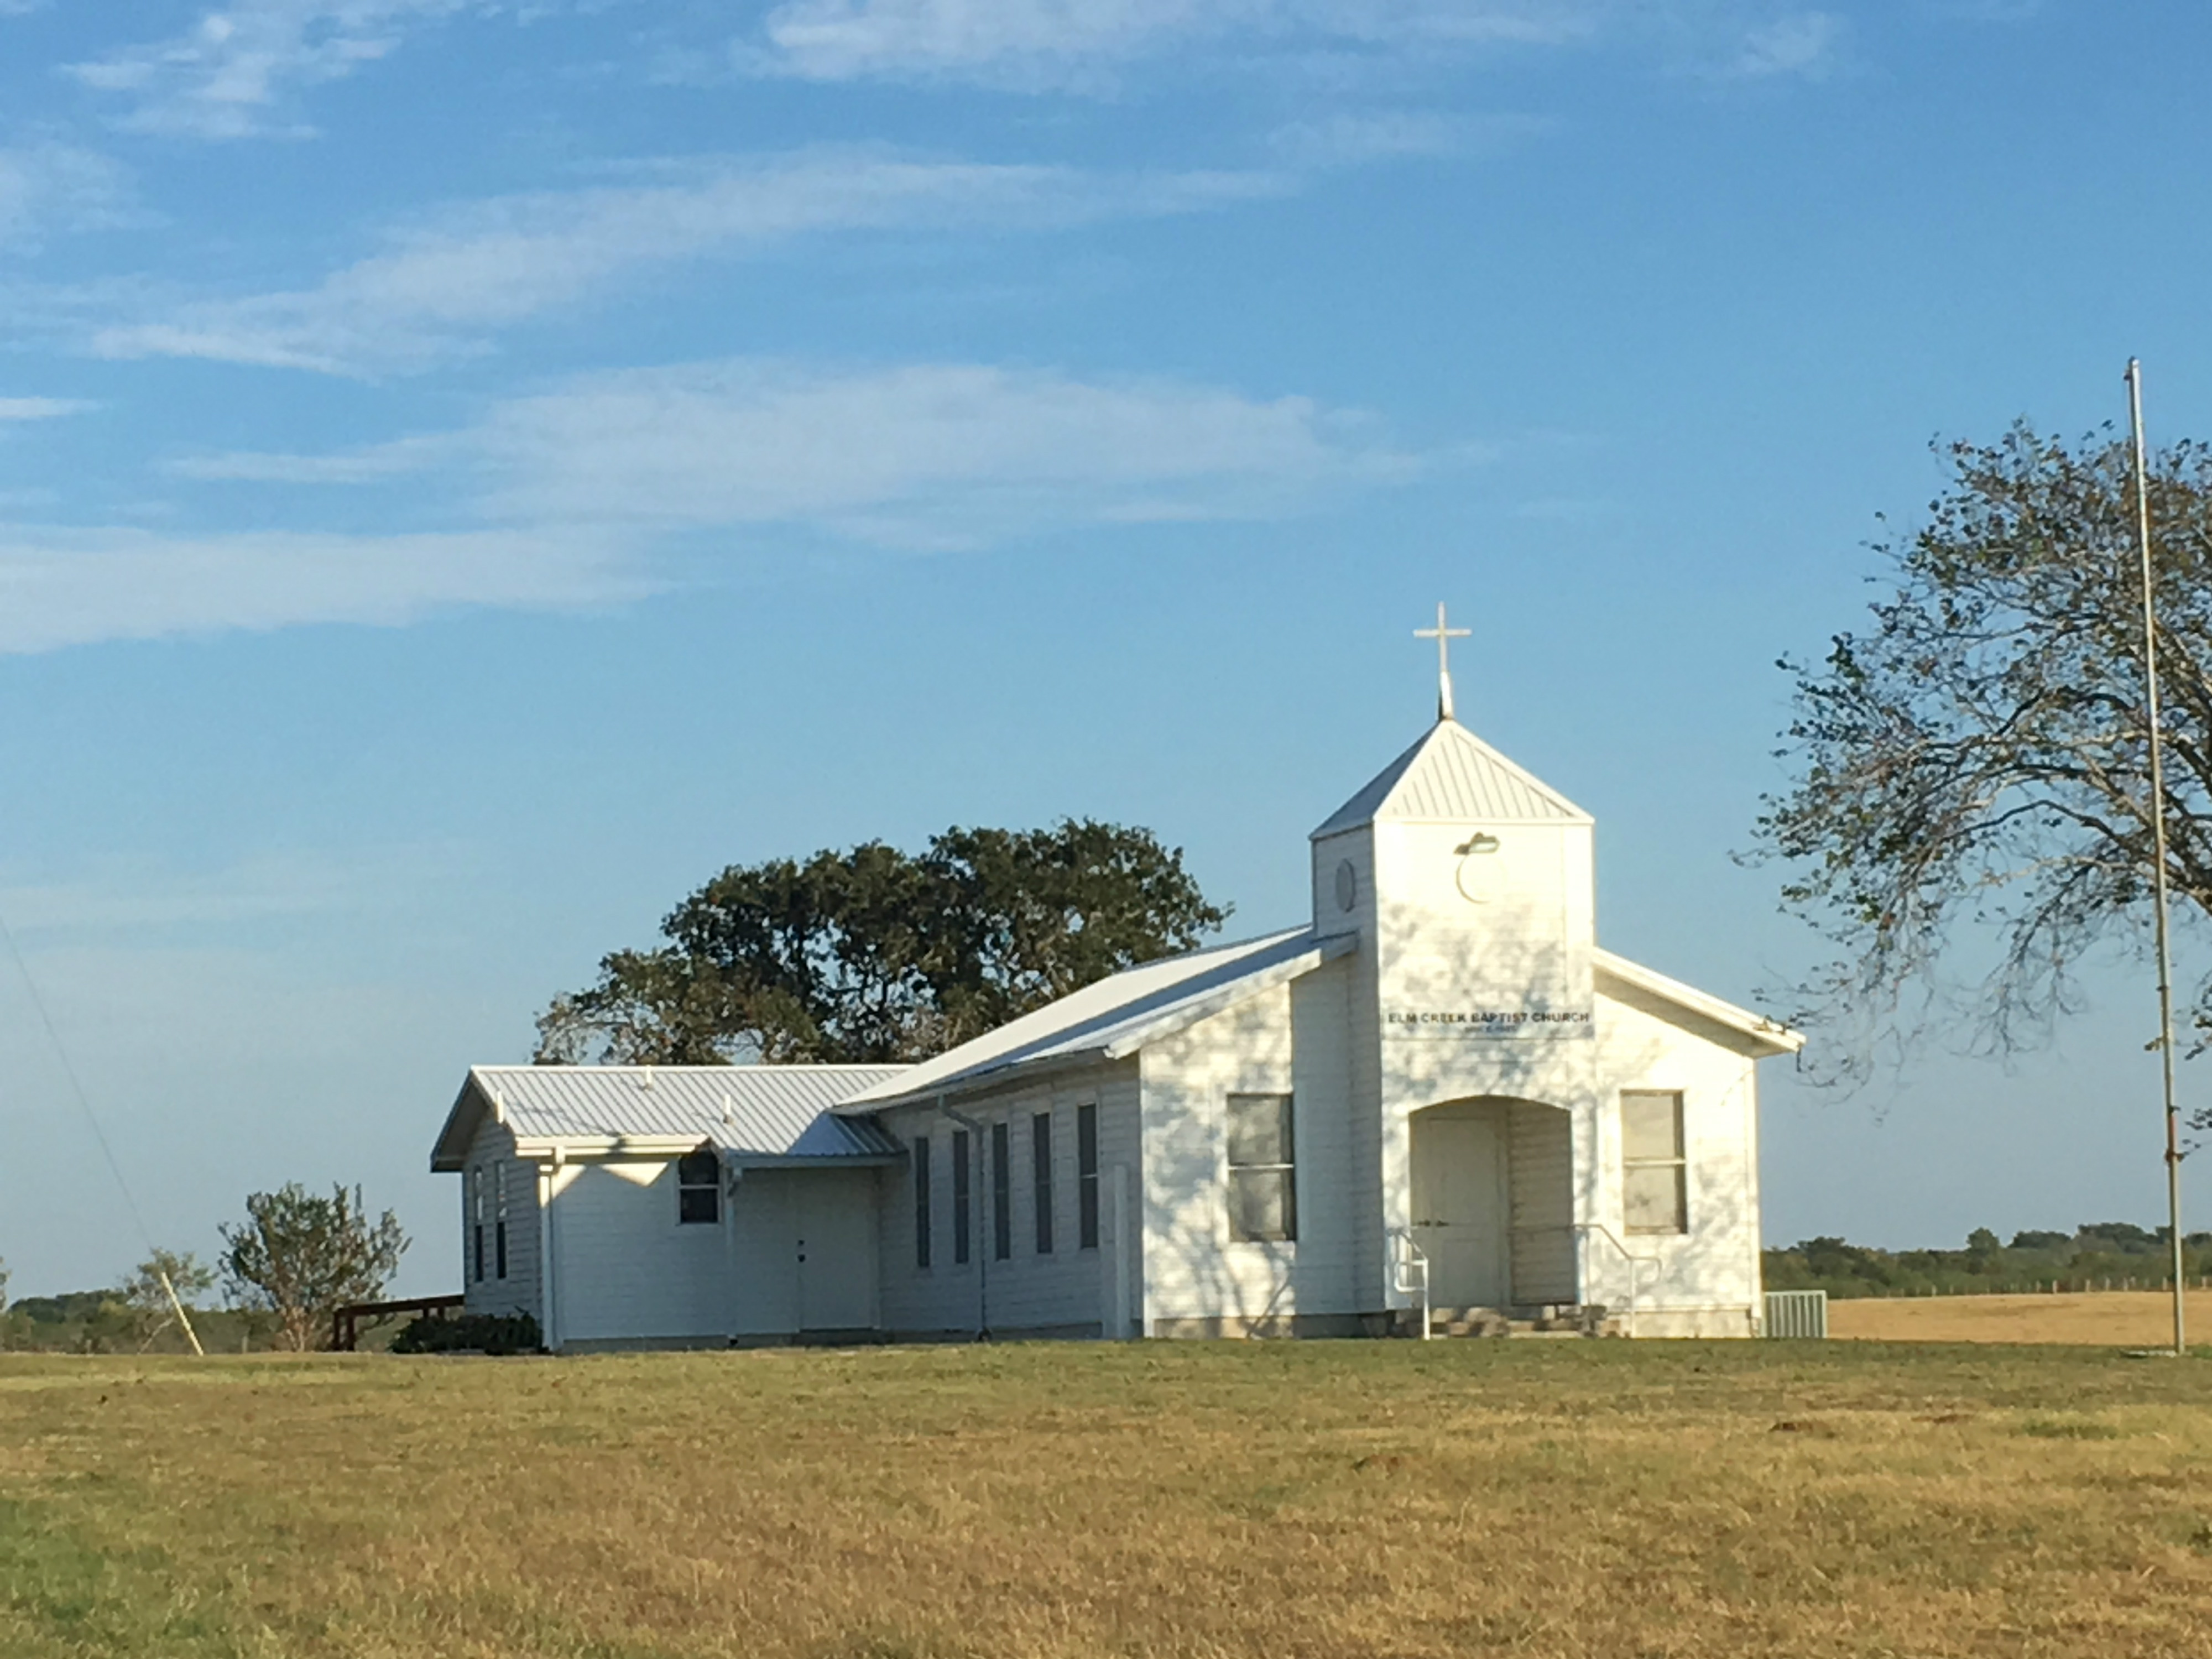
<point x="1086" y="1176"/>
<point x="1654" y="1173"/>
<point x="1263" y="1187"/>
<point x="1041" y="1172"/>
<point x="477" y="1221"/>
<point x="499" y="1218"/>
<point x="1002" y="1193"/>
<point x="699" y="1186"/>
<point x="922" y="1228"/>
<point x="960" y="1200"/>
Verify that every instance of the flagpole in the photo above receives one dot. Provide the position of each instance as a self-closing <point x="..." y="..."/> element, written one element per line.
<point x="2158" y="843"/>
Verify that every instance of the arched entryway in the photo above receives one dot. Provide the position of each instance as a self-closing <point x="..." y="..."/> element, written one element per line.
<point x="1493" y="1206"/>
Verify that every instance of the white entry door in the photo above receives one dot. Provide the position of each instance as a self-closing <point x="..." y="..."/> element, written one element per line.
<point x="1460" y="1208"/>
<point x="836" y="1237"/>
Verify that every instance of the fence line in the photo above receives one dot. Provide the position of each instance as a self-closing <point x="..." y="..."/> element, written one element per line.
<point x="2100" y="1286"/>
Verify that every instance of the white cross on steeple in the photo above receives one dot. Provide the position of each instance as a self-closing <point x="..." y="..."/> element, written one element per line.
<point x="1442" y="636"/>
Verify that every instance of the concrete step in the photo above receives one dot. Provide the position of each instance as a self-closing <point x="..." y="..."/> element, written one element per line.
<point x="1554" y="1320"/>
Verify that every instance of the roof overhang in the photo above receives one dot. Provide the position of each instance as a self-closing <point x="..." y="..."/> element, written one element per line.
<point x="1125" y="1041"/>
<point x="449" y="1154"/>
<point x="479" y="1101"/>
<point x="654" y="1149"/>
<point x="1763" y="1037"/>
<point x="1185" y="1015"/>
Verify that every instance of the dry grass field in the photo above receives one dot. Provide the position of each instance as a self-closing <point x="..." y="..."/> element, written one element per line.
<point x="2119" y="1319"/>
<point x="1401" y="1500"/>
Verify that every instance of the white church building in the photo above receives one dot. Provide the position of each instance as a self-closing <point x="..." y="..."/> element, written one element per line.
<point x="1439" y="1092"/>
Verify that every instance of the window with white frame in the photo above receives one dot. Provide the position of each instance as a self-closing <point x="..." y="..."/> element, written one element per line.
<point x="962" y="1204"/>
<point x="1086" y="1176"/>
<point x="1002" y="1193"/>
<point x="699" y="1186"/>
<point x="1263" y="1197"/>
<point x="1041" y="1178"/>
<point x="1655" y="1172"/>
<point x="499" y="1219"/>
<point x="921" y="1219"/>
<point x="476" y="1220"/>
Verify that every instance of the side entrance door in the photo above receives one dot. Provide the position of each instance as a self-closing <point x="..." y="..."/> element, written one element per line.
<point x="834" y="1240"/>
<point x="1460" y="1208"/>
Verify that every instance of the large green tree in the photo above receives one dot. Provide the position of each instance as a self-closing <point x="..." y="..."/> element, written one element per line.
<point x="1970" y="815"/>
<point x="875" y="954"/>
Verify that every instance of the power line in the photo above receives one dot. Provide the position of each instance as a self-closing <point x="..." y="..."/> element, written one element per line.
<point x="107" y="1150"/>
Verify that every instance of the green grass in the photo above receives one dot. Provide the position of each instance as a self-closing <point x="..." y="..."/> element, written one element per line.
<point x="1194" y="1499"/>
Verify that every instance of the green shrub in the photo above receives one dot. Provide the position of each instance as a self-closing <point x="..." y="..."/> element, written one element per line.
<point x="471" y="1333"/>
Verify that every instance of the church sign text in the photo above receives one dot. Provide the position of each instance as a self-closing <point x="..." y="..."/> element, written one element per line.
<point x="1487" y="1022"/>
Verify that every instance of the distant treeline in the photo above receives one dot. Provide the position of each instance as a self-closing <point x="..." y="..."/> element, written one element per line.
<point x="101" y="1321"/>
<point x="2100" y="1255"/>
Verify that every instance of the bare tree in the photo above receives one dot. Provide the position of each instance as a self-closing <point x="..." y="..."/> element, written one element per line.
<point x="299" y="1256"/>
<point x="1975" y="765"/>
<point x="144" y="1299"/>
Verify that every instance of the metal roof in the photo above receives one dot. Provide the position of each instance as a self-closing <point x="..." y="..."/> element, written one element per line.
<point x="1770" y="1036"/>
<point x="1452" y="776"/>
<point x="750" y="1114"/>
<point x="1115" y="1017"/>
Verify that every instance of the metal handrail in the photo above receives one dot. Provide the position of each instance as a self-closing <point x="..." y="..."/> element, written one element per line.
<point x="1633" y="1261"/>
<point x="1408" y="1260"/>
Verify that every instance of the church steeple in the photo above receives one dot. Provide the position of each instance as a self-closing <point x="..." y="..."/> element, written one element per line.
<point x="1452" y="776"/>
<point x="1444" y="637"/>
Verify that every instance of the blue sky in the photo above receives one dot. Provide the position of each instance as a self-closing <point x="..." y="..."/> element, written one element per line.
<point x="469" y="471"/>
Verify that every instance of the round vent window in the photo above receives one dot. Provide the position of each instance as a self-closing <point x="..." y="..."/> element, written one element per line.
<point x="1348" y="886"/>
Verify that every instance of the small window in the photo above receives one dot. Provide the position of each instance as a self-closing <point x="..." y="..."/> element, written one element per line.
<point x="1263" y="1197"/>
<point x="1654" y="1173"/>
<point x="699" y="1186"/>
<point x="477" y="1221"/>
<point x="1002" y="1193"/>
<point x="922" y="1228"/>
<point x="499" y="1218"/>
<point x="1041" y="1175"/>
<point x="1086" y="1176"/>
<point x="962" y="1204"/>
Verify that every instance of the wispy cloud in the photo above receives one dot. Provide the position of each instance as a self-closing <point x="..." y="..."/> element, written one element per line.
<point x="1044" y="43"/>
<point x="931" y="455"/>
<point x="1350" y="139"/>
<point x="440" y="285"/>
<point x="48" y="188"/>
<point x="1040" y="45"/>
<point x="237" y="72"/>
<point x="586" y="492"/>
<point x="359" y="466"/>
<point x="74" y="587"/>
<point x="138" y="896"/>
<point x="1803" y="43"/>
<point x="934" y="454"/>
<point x="41" y="409"/>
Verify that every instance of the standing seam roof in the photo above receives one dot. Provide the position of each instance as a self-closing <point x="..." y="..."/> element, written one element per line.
<point x="1453" y="775"/>
<point x="763" y="1111"/>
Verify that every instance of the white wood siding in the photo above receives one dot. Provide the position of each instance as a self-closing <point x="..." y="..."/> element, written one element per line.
<point x="1067" y="1290"/>
<point x="492" y="1155"/>
<point x="1363" y="1039"/>
<point x="625" y="1270"/>
<point x="1704" y="1282"/>
<point x="1291" y="1040"/>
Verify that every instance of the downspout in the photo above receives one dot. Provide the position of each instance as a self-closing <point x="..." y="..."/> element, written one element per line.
<point x="976" y="1206"/>
<point x="547" y="1307"/>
